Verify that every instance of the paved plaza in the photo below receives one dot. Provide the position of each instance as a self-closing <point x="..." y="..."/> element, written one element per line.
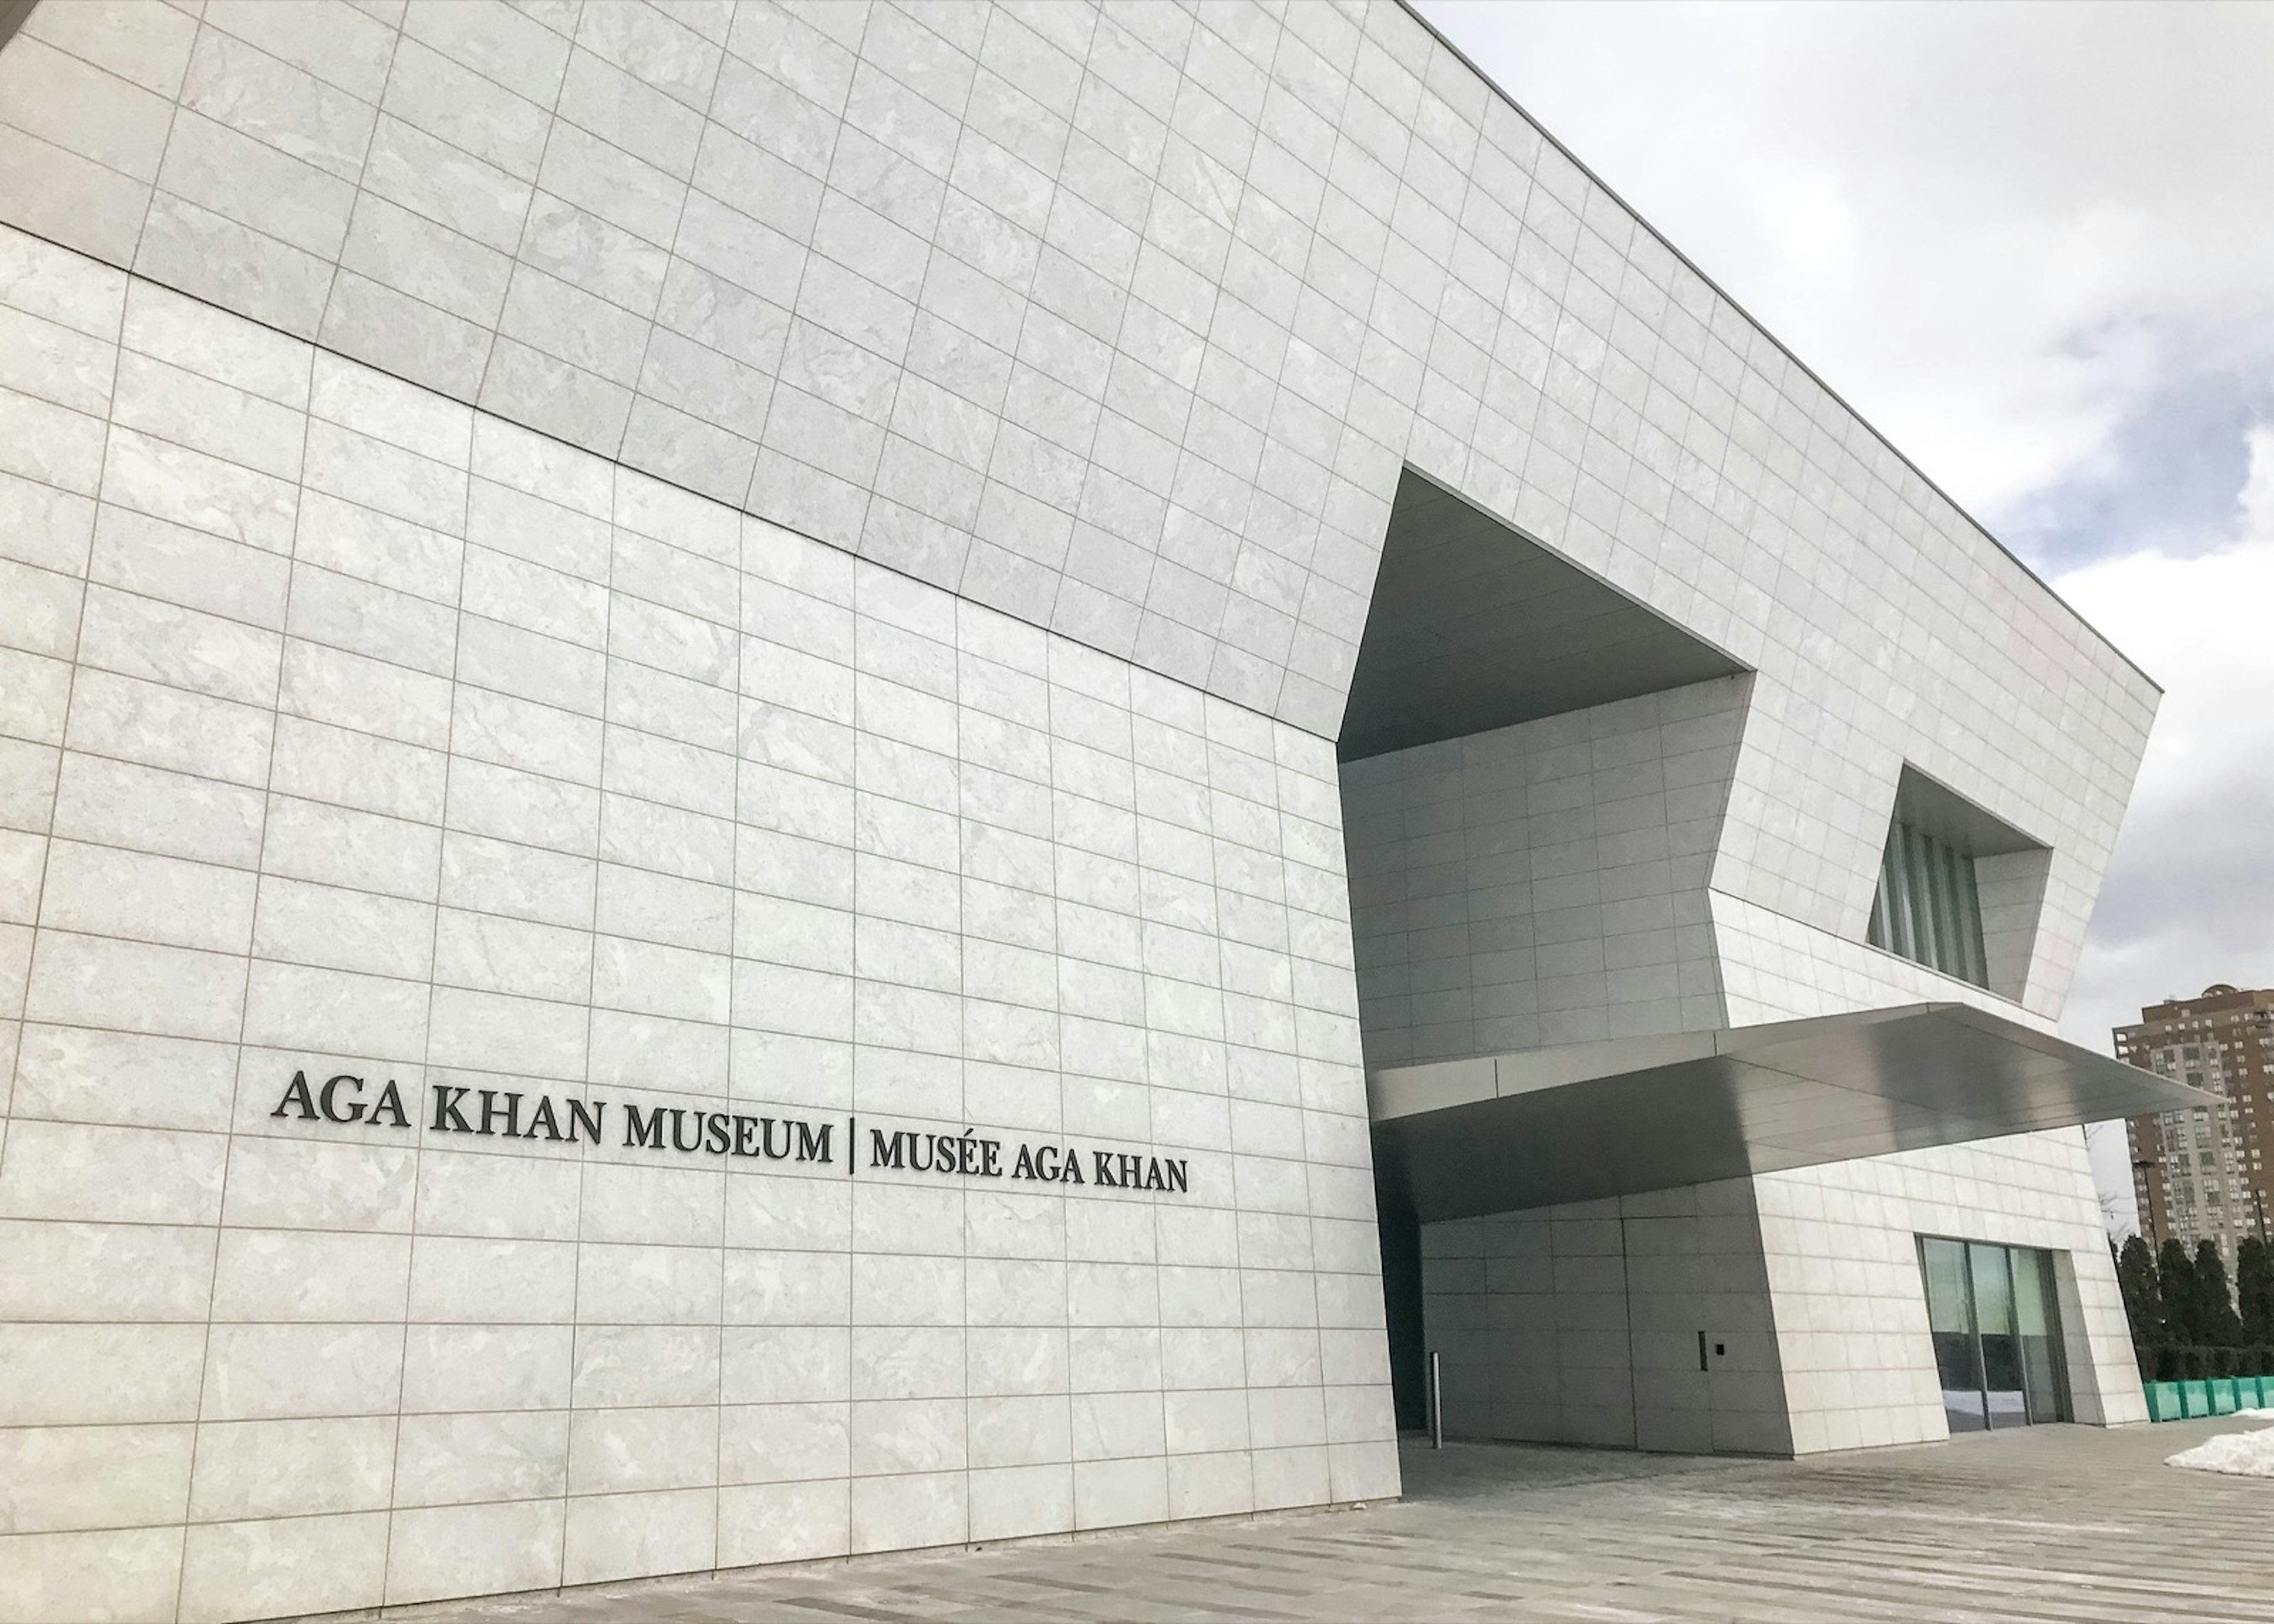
<point x="2062" y="1522"/>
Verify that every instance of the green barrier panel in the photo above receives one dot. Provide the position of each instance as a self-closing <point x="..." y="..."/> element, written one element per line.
<point x="2221" y="1396"/>
<point x="2162" y="1401"/>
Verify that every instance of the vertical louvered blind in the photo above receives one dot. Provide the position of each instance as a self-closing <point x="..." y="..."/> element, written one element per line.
<point x="1928" y="909"/>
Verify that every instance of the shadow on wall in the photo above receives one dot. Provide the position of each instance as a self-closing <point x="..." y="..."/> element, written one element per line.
<point x="1642" y="1322"/>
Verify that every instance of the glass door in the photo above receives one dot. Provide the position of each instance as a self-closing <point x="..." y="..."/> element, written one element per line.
<point x="2003" y="1400"/>
<point x="2036" y="1309"/>
<point x="1950" y="1317"/>
<point x="1995" y="1324"/>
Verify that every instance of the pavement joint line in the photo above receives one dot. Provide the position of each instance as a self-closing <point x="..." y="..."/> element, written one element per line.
<point x="2054" y="1525"/>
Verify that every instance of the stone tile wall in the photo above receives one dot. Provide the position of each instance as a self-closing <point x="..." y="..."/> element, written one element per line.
<point x="1543" y="883"/>
<point x="1123" y="320"/>
<point x="1581" y="1324"/>
<point x="351" y="731"/>
<point x="811" y="555"/>
<point x="1841" y="1246"/>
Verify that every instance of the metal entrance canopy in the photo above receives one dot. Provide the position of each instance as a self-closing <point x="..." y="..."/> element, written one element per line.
<point x="1460" y="1139"/>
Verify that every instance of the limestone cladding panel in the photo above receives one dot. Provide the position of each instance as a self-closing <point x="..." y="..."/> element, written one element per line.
<point x="345" y="727"/>
<point x="1774" y="967"/>
<point x="1591" y="1323"/>
<point x="1544" y="884"/>
<point x="1841" y="1246"/>
<point x="1119" y="319"/>
<point x="1581" y="1324"/>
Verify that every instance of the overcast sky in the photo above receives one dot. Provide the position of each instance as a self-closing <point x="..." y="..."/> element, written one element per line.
<point x="2034" y="244"/>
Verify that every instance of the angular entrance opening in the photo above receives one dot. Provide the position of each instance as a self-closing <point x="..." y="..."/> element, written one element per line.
<point x="1475" y="627"/>
<point x="1534" y="770"/>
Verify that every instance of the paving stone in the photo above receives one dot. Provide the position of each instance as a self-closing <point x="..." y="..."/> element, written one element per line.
<point x="2078" y="1525"/>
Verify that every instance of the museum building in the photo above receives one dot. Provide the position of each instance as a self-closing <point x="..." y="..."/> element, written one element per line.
<point x="788" y="780"/>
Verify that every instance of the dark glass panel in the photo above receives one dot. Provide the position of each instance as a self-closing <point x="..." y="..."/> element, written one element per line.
<point x="1950" y="1318"/>
<point x="2038" y="1308"/>
<point x="2004" y="1398"/>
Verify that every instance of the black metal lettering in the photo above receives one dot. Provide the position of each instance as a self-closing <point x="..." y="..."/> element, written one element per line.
<point x="715" y="1133"/>
<point x="585" y="1119"/>
<point x="1177" y="1179"/>
<point x="490" y="1097"/>
<point x="679" y="1139"/>
<point x="389" y="1108"/>
<point x="884" y="1151"/>
<point x="813" y="1144"/>
<point x="350" y="1112"/>
<point x="447" y="1117"/>
<point x="297" y="1097"/>
<point x="544" y="1123"/>
<point x="748" y="1140"/>
<point x="647" y="1134"/>
<point x="1103" y="1170"/>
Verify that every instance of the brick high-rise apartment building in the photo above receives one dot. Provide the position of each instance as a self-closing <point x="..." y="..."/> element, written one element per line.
<point x="2200" y="1174"/>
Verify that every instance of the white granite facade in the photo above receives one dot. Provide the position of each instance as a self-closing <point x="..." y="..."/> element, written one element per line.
<point x="804" y="561"/>
<point x="1642" y="1322"/>
<point x="1122" y="319"/>
<point x="354" y="732"/>
<point x="1839" y="1244"/>
<point x="1777" y="1315"/>
<point x="1544" y="884"/>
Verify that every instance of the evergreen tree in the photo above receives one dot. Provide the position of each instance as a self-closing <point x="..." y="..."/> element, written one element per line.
<point x="2143" y="1302"/>
<point x="2175" y="1284"/>
<point x="2254" y="1287"/>
<point x="2219" y="1326"/>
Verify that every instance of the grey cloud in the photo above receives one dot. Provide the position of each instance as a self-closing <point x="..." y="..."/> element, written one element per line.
<point x="2164" y="481"/>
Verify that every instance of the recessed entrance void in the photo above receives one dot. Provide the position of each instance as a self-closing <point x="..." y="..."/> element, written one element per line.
<point x="1474" y="627"/>
<point x="1482" y="813"/>
<point x="1536" y="772"/>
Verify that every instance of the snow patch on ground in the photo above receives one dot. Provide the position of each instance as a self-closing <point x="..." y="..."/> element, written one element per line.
<point x="2238" y="1454"/>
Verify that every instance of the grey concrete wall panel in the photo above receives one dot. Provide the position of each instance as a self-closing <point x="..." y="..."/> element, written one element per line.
<point x="1582" y="1324"/>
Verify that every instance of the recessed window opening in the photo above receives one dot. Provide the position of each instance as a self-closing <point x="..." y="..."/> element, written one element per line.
<point x="1929" y="908"/>
<point x="1959" y="888"/>
<point x="1994" y="1312"/>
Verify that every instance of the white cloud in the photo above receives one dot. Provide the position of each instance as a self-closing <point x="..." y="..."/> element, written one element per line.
<point x="1999" y="229"/>
<point x="2189" y="898"/>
